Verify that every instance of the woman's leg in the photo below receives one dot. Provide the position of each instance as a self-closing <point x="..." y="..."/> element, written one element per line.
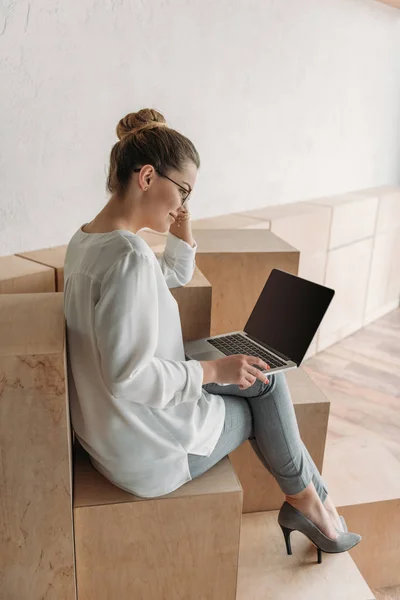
<point x="277" y="439"/>
<point x="272" y="429"/>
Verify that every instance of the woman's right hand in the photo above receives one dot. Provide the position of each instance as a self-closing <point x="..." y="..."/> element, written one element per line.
<point x="240" y="369"/>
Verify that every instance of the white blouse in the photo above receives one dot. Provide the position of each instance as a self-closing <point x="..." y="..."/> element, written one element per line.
<point x="137" y="406"/>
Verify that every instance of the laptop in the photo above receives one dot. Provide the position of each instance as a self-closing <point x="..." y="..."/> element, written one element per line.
<point x="280" y="328"/>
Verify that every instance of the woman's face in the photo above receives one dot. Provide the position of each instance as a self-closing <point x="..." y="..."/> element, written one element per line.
<point x="161" y="197"/>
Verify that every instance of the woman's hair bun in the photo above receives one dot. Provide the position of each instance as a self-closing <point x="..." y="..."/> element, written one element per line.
<point x="146" y="118"/>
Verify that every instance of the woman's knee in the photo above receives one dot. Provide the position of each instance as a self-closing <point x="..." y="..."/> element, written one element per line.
<point x="262" y="389"/>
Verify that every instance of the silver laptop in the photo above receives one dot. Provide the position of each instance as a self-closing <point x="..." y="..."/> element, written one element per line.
<point x="280" y="328"/>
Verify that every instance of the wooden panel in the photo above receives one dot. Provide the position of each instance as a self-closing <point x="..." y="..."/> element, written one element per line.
<point x="366" y="490"/>
<point x="384" y="278"/>
<point x="301" y="224"/>
<point x="32" y="324"/>
<point x="240" y="241"/>
<point x="36" y="528"/>
<point x="182" y="545"/>
<point x="230" y="221"/>
<point x="20" y="276"/>
<point x="378" y="554"/>
<point x="51" y="257"/>
<point x="180" y="548"/>
<point x="347" y="272"/>
<point x="346" y="225"/>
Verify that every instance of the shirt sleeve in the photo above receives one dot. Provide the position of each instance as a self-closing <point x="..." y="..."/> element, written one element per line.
<point x="126" y="326"/>
<point x="178" y="261"/>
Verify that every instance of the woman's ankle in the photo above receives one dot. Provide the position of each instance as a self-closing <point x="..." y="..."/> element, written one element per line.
<point x="308" y="494"/>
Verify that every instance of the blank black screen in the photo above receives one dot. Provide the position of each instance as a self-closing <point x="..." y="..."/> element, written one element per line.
<point x="288" y="313"/>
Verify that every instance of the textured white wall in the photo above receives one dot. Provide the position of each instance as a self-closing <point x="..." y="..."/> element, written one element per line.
<point x="285" y="100"/>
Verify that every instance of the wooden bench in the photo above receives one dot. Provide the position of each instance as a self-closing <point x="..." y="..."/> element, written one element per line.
<point x="182" y="545"/>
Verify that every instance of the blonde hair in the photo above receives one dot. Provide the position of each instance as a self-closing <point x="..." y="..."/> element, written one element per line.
<point x="145" y="138"/>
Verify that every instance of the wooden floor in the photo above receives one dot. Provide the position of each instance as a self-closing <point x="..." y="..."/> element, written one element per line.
<point x="361" y="377"/>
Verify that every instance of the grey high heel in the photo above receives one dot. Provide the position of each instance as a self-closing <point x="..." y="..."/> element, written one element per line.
<point x="290" y="519"/>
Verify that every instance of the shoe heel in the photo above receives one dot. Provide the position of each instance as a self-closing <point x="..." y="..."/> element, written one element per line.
<point x="286" y="533"/>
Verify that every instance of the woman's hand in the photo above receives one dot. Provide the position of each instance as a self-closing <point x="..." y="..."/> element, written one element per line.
<point x="181" y="227"/>
<point x="240" y="369"/>
<point x="182" y="216"/>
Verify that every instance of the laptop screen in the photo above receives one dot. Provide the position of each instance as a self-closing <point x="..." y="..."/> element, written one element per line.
<point x="288" y="313"/>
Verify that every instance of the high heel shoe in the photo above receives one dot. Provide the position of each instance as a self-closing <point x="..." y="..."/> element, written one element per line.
<point x="290" y="519"/>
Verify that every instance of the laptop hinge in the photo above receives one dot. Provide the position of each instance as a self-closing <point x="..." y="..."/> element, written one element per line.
<point x="286" y="358"/>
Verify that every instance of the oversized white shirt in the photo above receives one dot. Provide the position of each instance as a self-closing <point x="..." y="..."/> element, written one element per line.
<point x="137" y="405"/>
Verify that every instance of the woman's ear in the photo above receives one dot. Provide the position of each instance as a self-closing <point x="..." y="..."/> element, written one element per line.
<point x="145" y="177"/>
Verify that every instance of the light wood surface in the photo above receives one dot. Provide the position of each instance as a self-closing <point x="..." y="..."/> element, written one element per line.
<point x="230" y="221"/>
<point x="32" y="324"/>
<point x="267" y="572"/>
<point x="360" y="376"/>
<point x="301" y="224"/>
<point x="240" y="241"/>
<point x="183" y="545"/>
<point x="377" y="555"/>
<point x="50" y="257"/>
<point x="20" y="276"/>
<point x="36" y="525"/>
<point x="92" y="488"/>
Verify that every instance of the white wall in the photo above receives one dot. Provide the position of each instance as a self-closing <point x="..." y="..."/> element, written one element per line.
<point x="285" y="101"/>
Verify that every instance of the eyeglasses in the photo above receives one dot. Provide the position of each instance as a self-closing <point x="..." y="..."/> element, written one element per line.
<point x="186" y="193"/>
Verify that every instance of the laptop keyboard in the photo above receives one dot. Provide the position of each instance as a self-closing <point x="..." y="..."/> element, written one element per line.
<point x="237" y="344"/>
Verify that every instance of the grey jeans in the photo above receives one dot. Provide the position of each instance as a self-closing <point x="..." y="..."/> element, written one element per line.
<point x="264" y="414"/>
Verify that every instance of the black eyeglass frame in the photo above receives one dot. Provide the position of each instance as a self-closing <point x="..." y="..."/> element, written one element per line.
<point x="188" y="192"/>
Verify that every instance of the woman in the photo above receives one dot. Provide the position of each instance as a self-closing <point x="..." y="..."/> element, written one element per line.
<point x="149" y="419"/>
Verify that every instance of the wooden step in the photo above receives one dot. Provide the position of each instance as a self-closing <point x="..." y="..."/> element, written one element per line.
<point x="363" y="479"/>
<point x="230" y="221"/>
<point x="50" y="257"/>
<point x="20" y="276"/>
<point x="181" y="545"/>
<point x="267" y="572"/>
